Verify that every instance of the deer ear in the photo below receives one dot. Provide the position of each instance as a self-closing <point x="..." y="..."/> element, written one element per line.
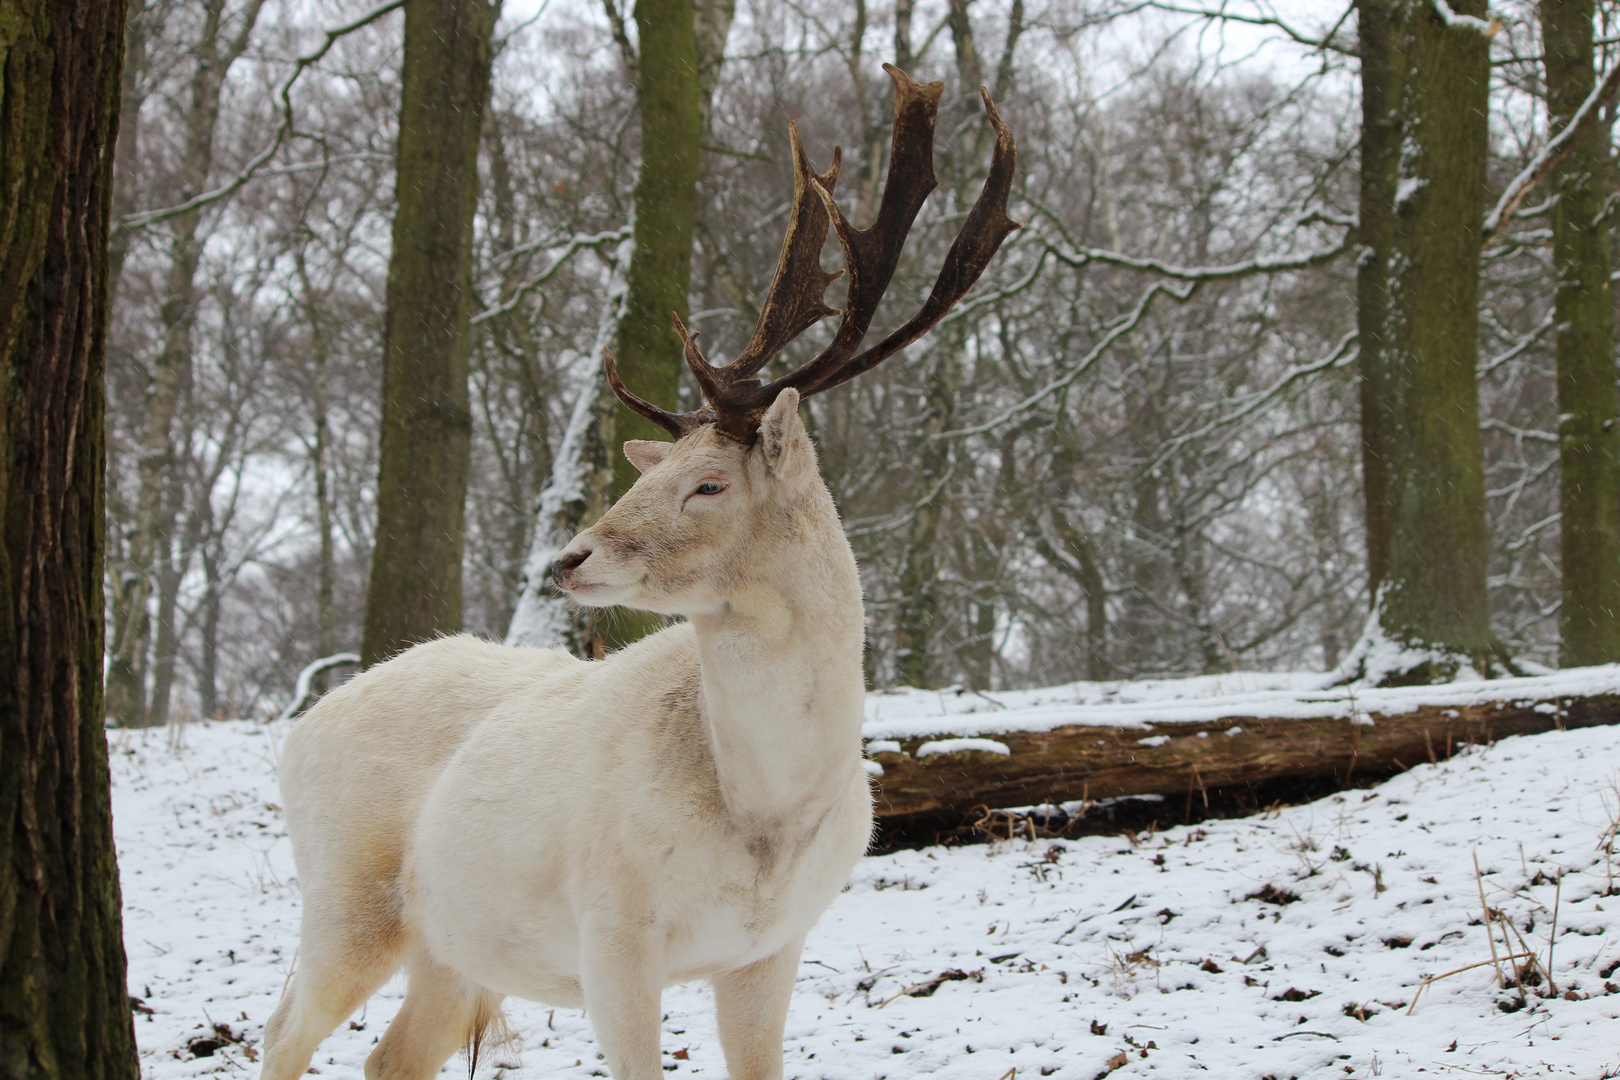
<point x="644" y="454"/>
<point x="785" y="444"/>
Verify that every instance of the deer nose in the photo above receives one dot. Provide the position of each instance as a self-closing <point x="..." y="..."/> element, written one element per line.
<point x="566" y="564"/>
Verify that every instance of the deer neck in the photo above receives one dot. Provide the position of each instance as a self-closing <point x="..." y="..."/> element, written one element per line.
<point x="783" y="687"/>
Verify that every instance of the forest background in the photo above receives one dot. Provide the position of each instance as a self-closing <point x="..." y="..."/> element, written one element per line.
<point x="1260" y="350"/>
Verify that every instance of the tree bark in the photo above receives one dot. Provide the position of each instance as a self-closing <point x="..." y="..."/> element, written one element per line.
<point x="64" y="1007"/>
<point x="208" y="665"/>
<point x="319" y="448"/>
<point x="676" y="70"/>
<point x="711" y="23"/>
<point x="919" y="617"/>
<point x="1383" y="72"/>
<point x="1588" y="400"/>
<point x="1424" y="147"/>
<point x="415" y="587"/>
<point x="669" y="98"/>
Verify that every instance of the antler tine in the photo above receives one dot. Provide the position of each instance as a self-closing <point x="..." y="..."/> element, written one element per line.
<point x="874" y="252"/>
<point x="987" y="225"/>
<point x="711" y="380"/>
<point x="735" y="402"/>
<point x="796" y="300"/>
<point x="677" y="424"/>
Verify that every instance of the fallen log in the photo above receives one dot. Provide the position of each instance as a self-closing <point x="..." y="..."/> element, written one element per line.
<point x="929" y="782"/>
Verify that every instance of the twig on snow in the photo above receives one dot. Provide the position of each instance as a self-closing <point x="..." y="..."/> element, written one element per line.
<point x="1427" y="979"/>
<point x="1485" y="910"/>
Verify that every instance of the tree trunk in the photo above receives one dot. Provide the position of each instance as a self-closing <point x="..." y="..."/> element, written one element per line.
<point x="1424" y="145"/>
<point x="166" y="642"/>
<point x="319" y="448"/>
<point x="1383" y="74"/>
<point x="415" y="588"/>
<point x="208" y="668"/>
<point x="575" y="494"/>
<point x="64" y="1007"/>
<point x="711" y="24"/>
<point x="1072" y="553"/>
<point x="1588" y="402"/>
<point x="669" y="98"/>
<point x="676" y="71"/>
<point x="918" y="616"/>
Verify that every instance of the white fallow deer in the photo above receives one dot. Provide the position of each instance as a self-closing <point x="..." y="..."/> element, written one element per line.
<point x="502" y="820"/>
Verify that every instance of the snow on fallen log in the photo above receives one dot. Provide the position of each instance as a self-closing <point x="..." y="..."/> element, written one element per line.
<point x="945" y="753"/>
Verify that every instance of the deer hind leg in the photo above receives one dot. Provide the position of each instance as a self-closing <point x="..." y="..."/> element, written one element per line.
<point x="751" y="1006"/>
<point x="443" y="1013"/>
<point x="341" y="962"/>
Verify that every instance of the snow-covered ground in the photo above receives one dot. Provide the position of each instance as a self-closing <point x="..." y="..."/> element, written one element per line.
<point x="1165" y="954"/>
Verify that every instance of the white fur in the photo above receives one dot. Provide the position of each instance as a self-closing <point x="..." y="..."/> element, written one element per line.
<point x="514" y="821"/>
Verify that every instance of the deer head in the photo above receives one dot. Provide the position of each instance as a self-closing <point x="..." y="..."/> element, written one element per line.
<point x="714" y="509"/>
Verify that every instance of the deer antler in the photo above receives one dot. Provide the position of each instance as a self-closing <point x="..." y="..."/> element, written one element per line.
<point x="736" y="399"/>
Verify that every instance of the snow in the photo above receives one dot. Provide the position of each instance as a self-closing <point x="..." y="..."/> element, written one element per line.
<point x="540" y="617"/>
<point x="1408" y="187"/>
<point x="958" y="746"/>
<point x="1051" y="958"/>
<point x="916" y="714"/>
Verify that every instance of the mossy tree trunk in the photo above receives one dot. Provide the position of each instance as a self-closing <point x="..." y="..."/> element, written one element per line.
<point x="64" y="1007"/>
<point x="1424" y="146"/>
<point x="681" y="48"/>
<point x="670" y="102"/>
<point x="415" y="588"/>
<point x="1588" y="400"/>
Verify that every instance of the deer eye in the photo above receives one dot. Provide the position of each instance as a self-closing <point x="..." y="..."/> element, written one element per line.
<point x="710" y="487"/>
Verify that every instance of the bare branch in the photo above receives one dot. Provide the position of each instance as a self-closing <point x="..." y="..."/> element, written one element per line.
<point x="1324" y="42"/>
<point x="1081" y="256"/>
<point x="1122" y="326"/>
<point x="1547" y="158"/>
<point x="577" y="242"/>
<point x="239" y="44"/>
<point x="995" y="296"/>
<point x="1343" y="354"/>
<point x="1015" y="30"/>
<point x="143" y="218"/>
<point x="621" y="37"/>
<point x="1518" y="347"/>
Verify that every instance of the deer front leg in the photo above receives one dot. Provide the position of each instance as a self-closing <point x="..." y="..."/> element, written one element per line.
<point x="622" y="999"/>
<point x="752" y="1005"/>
